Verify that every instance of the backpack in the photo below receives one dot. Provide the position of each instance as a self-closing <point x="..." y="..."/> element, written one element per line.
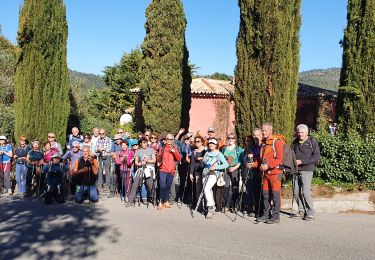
<point x="289" y="159"/>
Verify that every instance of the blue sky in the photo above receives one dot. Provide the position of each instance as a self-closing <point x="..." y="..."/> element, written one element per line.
<point x="100" y="31"/>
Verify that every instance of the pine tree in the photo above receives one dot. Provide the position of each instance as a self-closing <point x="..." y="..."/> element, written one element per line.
<point x="268" y="62"/>
<point x="356" y="97"/>
<point x="167" y="76"/>
<point x="41" y="83"/>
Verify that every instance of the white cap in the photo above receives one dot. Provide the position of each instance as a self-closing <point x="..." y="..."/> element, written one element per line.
<point x="3" y="137"/>
<point x="212" y="141"/>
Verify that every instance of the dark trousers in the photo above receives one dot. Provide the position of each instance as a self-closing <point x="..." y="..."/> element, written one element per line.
<point x="54" y="193"/>
<point x="165" y="182"/>
<point x="197" y="188"/>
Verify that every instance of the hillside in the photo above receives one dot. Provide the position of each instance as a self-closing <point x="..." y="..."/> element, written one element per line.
<point x="323" y="78"/>
<point x="89" y="81"/>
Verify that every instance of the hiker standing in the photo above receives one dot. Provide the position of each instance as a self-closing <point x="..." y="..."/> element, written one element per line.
<point x="232" y="153"/>
<point x="168" y="155"/>
<point x="214" y="162"/>
<point x="270" y="159"/>
<point x="124" y="159"/>
<point x="307" y="154"/>
<point x="34" y="159"/>
<point x="104" y="147"/>
<point x="6" y="154"/>
<point x="21" y="168"/>
<point x="54" y="144"/>
<point x="74" y="137"/>
<point x="94" y="140"/>
<point x="196" y="168"/>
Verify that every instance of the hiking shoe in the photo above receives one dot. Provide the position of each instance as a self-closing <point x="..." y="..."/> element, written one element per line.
<point x="261" y="219"/>
<point x="209" y="215"/>
<point x="160" y="206"/>
<point x="218" y="210"/>
<point x="128" y="204"/>
<point x="299" y="214"/>
<point x="251" y="214"/>
<point x="273" y="221"/>
<point x="309" y="217"/>
<point x="144" y="201"/>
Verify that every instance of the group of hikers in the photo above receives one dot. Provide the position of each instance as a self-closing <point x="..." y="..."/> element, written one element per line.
<point x="207" y="173"/>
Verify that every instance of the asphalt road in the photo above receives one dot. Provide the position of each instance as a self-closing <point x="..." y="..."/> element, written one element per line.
<point x="108" y="230"/>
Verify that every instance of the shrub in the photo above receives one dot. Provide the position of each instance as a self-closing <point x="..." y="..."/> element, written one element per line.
<point x="346" y="157"/>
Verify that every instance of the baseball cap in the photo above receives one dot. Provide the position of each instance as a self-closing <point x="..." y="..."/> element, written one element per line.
<point x="211" y="129"/>
<point x="212" y="141"/>
<point x="3" y="137"/>
<point x="117" y="136"/>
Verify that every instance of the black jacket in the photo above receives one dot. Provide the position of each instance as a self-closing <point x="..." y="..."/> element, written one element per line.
<point x="308" y="152"/>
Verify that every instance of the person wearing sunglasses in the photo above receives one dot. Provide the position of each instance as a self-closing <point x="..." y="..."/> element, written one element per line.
<point x="86" y="141"/>
<point x="154" y="142"/>
<point x="120" y="132"/>
<point x="167" y="157"/>
<point x="196" y="168"/>
<point x="232" y="153"/>
<point x="48" y="152"/>
<point x="183" y="168"/>
<point x="72" y="156"/>
<point x="54" y="144"/>
<point x="21" y="169"/>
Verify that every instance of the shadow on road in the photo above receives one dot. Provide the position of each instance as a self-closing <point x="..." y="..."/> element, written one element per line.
<point x="28" y="228"/>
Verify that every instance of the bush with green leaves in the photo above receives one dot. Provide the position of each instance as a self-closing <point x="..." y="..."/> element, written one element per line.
<point x="346" y="157"/>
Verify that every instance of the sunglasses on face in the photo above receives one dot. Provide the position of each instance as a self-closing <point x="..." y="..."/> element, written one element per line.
<point x="169" y="139"/>
<point x="231" y="138"/>
<point x="102" y="133"/>
<point x="75" y="146"/>
<point x="198" y="141"/>
<point x="120" y="132"/>
<point x="153" y="137"/>
<point x="51" y="136"/>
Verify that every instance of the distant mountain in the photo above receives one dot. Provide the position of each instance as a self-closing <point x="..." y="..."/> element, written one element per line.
<point x="322" y="78"/>
<point x="89" y="81"/>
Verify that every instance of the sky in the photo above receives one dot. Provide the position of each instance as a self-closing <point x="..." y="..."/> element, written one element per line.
<point x="101" y="31"/>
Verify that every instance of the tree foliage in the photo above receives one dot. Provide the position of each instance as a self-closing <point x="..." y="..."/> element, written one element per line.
<point x="166" y="73"/>
<point x="356" y="98"/>
<point x="41" y="82"/>
<point x="268" y="62"/>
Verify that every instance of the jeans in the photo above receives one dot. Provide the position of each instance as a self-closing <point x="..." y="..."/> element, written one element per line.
<point x="166" y="180"/>
<point x="92" y="194"/>
<point x="104" y="165"/>
<point x="21" y="173"/>
<point x="302" y="191"/>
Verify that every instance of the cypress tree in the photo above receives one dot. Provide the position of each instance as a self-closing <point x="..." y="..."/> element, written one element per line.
<point x="267" y="67"/>
<point x="356" y="97"/>
<point x="167" y="76"/>
<point x="41" y="82"/>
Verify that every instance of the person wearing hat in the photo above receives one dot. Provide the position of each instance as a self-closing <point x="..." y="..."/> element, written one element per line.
<point x="214" y="162"/>
<point x="21" y="168"/>
<point x="54" y="171"/>
<point x="6" y="154"/>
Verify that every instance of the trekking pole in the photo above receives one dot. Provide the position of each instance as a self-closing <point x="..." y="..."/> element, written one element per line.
<point x="38" y="188"/>
<point x="260" y="193"/>
<point x="2" y="173"/>
<point x="141" y="173"/>
<point x="200" y="197"/>
<point x="291" y="210"/>
<point x="241" y="194"/>
<point x="122" y="181"/>
<point x="185" y="184"/>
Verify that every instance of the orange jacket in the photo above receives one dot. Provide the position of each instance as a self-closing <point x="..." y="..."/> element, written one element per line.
<point x="273" y="158"/>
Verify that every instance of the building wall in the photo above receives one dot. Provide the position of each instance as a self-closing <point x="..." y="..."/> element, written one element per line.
<point x="207" y="112"/>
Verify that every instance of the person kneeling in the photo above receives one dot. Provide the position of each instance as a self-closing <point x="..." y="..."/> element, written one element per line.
<point x="86" y="172"/>
<point x="55" y="171"/>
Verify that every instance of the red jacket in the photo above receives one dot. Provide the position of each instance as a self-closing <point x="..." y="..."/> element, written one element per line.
<point x="273" y="158"/>
<point x="168" y="158"/>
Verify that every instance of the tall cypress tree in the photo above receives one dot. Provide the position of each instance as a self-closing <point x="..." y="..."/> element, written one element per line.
<point x="41" y="83"/>
<point x="167" y="76"/>
<point x="267" y="67"/>
<point x="356" y="97"/>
